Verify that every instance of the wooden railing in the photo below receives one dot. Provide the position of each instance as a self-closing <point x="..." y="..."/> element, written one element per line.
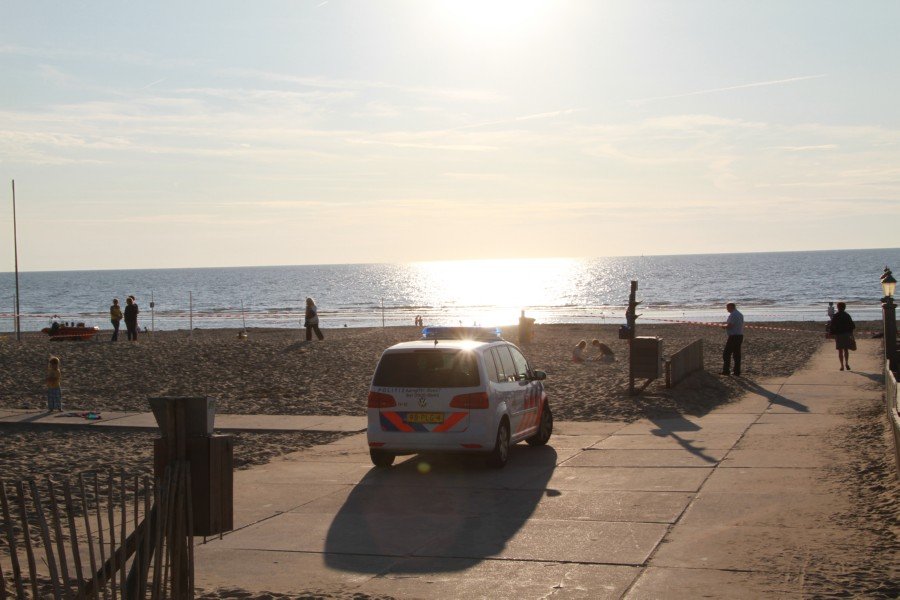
<point x="684" y="362"/>
<point x="892" y="405"/>
<point x="80" y="529"/>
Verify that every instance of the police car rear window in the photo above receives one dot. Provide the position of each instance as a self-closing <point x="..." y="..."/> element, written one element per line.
<point x="427" y="368"/>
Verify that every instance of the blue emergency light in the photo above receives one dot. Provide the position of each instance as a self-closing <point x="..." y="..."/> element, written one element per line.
<point x="462" y="333"/>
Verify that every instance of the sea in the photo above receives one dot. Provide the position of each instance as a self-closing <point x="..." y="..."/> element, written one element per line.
<point x="772" y="286"/>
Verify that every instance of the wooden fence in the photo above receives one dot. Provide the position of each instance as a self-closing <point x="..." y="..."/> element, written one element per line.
<point x="684" y="362"/>
<point x="892" y="404"/>
<point x="69" y="538"/>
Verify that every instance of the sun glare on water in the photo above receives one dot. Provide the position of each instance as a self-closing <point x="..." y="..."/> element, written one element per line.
<point x="497" y="289"/>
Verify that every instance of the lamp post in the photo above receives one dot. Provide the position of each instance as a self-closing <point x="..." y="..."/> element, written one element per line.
<point x="16" y="253"/>
<point x="889" y="312"/>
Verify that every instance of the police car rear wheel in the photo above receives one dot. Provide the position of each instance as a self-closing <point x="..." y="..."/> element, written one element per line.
<point x="545" y="430"/>
<point x="500" y="454"/>
<point x="381" y="458"/>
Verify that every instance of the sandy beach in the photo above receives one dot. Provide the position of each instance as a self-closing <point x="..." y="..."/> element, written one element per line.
<point x="276" y="371"/>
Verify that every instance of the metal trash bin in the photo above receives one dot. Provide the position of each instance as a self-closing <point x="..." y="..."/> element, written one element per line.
<point x="647" y="357"/>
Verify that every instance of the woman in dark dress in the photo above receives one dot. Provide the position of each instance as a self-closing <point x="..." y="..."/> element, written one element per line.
<point x="842" y="327"/>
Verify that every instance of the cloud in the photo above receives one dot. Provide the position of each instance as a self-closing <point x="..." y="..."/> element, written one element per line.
<point x="152" y="83"/>
<point x="79" y="54"/>
<point x="532" y="117"/>
<point x="341" y="147"/>
<point x="807" y="148"/>
<point x="256" y="95"/>
<point x="424" y="145"/>
<point x="380" y="110"/>
<point x="54" y="75"/>
<point x="455" y="94"/>
<point x="195" y="219"/>
<point x="477" y="176"/>
<point x="281" y="203"/>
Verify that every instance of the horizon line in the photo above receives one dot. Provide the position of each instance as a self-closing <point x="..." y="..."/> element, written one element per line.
<point x="76" y="270"/>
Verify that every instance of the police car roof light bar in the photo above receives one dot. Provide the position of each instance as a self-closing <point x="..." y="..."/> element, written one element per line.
<point x="462" y="333"/>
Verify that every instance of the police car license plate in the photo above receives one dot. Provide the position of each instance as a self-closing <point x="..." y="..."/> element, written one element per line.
<point x="425" y="418"/>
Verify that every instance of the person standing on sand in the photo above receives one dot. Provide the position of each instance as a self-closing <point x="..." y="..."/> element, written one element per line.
<point x="115" y="317"/>
<point x="734" y="327"/>
<point x="54" y="391"/>
<point x="602" y="352"/>
<point x="131" y="313"/>
<point x="311" y="320"/>
<point x="526" y="329"/>
<point x="578" y="352"/>
<point x="842" y="327"/>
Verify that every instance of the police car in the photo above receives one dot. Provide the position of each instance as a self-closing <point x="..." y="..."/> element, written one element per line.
<point x="458" y="389"/>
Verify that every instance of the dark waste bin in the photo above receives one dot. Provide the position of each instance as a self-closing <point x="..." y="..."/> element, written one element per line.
<point x="186" y="424"/>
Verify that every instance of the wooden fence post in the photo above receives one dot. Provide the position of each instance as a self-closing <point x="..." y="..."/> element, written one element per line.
<point x="11" y="541"/>
<point x="60" y="542"/>
<point x="26" y="532"/>
<point x="45" y="536"/>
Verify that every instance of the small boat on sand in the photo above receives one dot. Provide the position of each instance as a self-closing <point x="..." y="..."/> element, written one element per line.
<point x="69" y="331"/>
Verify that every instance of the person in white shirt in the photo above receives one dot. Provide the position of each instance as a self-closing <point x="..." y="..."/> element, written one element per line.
<point x="734" y="327"/>
<point x="578" y="352"/>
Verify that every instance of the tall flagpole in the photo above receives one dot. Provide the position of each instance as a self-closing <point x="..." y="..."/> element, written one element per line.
<point x="16" y="253"/>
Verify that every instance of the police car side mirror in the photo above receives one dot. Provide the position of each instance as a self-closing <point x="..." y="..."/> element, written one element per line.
<point x="538" y="375"/>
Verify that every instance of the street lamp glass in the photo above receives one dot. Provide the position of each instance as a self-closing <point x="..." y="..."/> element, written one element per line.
<point x="888" y="284"/>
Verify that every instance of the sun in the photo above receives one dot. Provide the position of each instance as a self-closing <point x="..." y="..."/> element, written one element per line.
<point x="494" y="18"/>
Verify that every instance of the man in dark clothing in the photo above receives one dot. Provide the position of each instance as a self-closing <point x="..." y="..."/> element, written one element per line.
<point x="131" y="313"/>
<point x="842" y="327"/>
<point x="734" y="327"/>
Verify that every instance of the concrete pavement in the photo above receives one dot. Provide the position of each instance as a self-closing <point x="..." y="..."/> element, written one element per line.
<point x="732" y="504"/>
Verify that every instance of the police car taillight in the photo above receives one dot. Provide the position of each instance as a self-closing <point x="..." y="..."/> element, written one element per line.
<point x="379" y="400"/>
<point x="470" y="401"/>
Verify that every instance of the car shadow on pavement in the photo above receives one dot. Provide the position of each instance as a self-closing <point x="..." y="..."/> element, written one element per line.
<point x="434" y="508"/>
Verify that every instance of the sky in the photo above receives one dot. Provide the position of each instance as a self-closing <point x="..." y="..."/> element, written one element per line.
<point x="186" y="134"/>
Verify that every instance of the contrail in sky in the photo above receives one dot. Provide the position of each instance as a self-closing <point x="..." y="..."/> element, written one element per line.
<point x="150" y="85"/>
<point x="733" y="87"/>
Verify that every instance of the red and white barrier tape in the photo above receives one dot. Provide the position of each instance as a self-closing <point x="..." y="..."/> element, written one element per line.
<point x="750" y="326"/>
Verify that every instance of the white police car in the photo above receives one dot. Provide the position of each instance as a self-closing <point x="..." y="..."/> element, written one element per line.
<point x="459" y="389"/>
